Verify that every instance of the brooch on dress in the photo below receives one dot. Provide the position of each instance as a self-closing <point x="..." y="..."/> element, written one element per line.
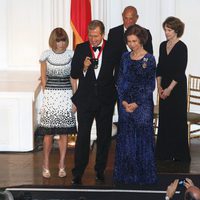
<point x="144" y="65"/>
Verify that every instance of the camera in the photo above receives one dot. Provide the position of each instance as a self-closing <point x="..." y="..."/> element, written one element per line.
<point x="181" y="182"/>
<point x="94" y="62"/>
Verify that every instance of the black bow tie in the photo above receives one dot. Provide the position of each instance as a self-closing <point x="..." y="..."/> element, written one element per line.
<point x="95" y="48"/>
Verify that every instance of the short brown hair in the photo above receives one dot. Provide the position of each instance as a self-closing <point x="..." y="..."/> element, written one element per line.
<point x="57" y="35"/>
<point x="137" y="30"/>
<point x="96" y="23"/>
<point x="175" y="24"/>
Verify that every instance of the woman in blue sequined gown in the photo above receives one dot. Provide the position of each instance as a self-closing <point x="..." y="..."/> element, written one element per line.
<point x="134" y="158"/>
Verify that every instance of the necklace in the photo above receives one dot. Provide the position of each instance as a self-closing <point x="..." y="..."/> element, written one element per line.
<point x="138" y="55"/>
<point x="171" y="44"/>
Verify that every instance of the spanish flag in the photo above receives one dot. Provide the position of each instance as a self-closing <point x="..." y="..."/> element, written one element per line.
<point x="80" y="18"/>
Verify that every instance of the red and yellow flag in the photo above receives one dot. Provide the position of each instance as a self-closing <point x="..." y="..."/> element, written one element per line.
<point x="80" y="18"/>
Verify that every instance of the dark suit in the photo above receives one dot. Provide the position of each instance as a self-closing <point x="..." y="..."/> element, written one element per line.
<point x="117" y="42"/>
<point x="94" y="99"/>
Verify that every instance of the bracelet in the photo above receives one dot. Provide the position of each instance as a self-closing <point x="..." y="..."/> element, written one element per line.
<point x="166" y="197"/>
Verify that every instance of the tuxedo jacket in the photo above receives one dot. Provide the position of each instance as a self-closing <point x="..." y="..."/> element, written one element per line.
<point x="91" y="90"/>
<point x="116" y="39"/>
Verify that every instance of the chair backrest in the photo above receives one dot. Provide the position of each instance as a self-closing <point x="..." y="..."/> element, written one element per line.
<point x="193" y="91"/>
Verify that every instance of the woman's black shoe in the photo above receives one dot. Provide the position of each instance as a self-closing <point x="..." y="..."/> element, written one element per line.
<point x="100" y="177"/>
<point x="76" y="180"/>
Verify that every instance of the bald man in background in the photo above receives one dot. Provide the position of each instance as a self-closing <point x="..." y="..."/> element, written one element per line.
<point x="116" y="34"/>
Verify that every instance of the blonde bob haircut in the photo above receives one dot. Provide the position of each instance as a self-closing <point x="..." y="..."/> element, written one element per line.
<point x="57" y="35"/>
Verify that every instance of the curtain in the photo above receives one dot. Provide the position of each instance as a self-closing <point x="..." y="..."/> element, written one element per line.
<point x="80" y="18"/>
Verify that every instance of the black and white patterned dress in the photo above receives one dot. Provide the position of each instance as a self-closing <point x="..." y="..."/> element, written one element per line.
<point x="56" y="116"/>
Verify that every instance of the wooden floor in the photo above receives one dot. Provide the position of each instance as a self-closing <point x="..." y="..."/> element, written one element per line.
<point x="17" y="169"/>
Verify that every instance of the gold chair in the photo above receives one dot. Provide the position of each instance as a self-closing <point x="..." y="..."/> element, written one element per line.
<point x="156" y="114"/>
<point x="193" y="108"/>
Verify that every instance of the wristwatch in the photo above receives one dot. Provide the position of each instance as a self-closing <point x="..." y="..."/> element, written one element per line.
<point x="167" y="198"/>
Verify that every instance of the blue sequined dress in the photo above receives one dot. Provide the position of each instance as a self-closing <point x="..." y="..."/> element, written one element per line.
<point x="134" y="158"/>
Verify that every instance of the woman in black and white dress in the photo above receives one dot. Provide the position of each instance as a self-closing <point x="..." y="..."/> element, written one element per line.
<point x="57" y="114"/>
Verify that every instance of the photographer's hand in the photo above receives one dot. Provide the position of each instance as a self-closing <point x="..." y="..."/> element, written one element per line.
<point x="171" y="189"/>
<point x="86" y="64"/>
<point x="188" y="183"/>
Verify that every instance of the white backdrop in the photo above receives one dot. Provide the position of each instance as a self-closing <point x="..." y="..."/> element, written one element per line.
<point x="25" y="26"/>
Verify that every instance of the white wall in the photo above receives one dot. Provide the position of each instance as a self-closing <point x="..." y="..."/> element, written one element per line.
<point x="190" y="14"/>
<point x="25" y="26"/>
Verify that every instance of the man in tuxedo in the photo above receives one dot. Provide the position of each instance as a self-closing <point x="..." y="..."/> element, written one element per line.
<point x="116" y="34"/>
<point x="93" y="65"/>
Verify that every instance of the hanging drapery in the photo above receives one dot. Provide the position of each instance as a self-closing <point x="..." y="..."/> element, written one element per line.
<point x="80" y="18"/>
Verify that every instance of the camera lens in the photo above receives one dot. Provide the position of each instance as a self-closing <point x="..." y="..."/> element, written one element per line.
<point x="181" y="182"/>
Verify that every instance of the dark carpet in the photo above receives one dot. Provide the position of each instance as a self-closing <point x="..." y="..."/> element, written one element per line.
<point x="115" y="192"/>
